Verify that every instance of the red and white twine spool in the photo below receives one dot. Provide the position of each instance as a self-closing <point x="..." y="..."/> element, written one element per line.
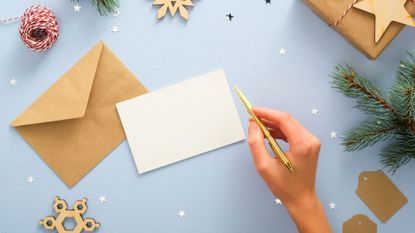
<point x="39" y="28"/>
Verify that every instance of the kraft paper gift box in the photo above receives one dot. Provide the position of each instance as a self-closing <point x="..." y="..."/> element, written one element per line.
<point x="357" y="26"/>
<point x="74" y="125"/>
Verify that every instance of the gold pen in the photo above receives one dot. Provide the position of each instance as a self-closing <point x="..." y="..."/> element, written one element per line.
<point x="273" y="144"/>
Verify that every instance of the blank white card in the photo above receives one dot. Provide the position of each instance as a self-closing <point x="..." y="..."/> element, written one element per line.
<point x="181" y="121"/>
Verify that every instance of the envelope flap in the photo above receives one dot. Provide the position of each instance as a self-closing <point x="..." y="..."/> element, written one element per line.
<point x="68" y="97"/>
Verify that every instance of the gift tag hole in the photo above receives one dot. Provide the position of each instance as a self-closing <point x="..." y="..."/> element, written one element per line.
<point x="365" y="178"/>
<point x="359" y="223"/>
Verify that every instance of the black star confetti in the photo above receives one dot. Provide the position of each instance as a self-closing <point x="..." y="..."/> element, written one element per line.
<point x="230" y="16"/>
<point x="267" y="1"/>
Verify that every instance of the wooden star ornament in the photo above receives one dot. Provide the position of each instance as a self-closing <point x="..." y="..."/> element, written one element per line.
<point x="386" y="11"/>
<point x="173" y="6"/>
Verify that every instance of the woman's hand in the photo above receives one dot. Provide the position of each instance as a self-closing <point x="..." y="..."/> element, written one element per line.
<point x="295" y="190"/>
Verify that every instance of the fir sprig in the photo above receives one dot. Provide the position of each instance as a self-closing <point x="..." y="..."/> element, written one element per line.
<point x="392" y="113"/>
<point x="105" y="7"/>
<point x="368" y="134"/>
<point x="369" y="98"/>
<point x="399" y="152"/>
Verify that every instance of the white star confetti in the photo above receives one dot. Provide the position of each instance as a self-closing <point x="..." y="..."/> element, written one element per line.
<point x="30" y="179"/>
<point x="115" y="29"/>
<point x="314" y="111"/>
<point x="76" y="7"/>
<point x="181" y="213"/>
<point x="278" y="201"/>
<point x="102" y="199"/>
<point x="13" y="82"/>
<point x="116" y="13"/>
<point x="332" y="205"/>
<point x="283" y="51"/>
<point x="333" y="134"/>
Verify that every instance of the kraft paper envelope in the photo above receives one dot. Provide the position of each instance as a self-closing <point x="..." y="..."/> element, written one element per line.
<point x="181" y="121"/>
<point x="74" y="124"/>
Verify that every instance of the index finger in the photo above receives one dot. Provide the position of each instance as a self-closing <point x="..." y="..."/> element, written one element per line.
<point x="290" y="127"/>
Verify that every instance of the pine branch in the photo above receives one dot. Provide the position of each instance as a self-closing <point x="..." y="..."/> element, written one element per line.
<point x="106" y="6"/>
<point x="393" y="115"/>
<point x="369" y="98"/>
<point x="403" y="93"/>
<point x="398" y="153"/>
<point x="368" y="134"/>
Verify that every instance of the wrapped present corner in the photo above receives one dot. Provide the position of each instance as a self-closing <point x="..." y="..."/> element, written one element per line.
<point x="357" y="26"/>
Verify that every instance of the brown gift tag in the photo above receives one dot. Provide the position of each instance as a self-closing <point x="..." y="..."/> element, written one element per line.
<point x="382" y="196"/>
<point x="358" y="26"/>
<point x="359" y="224"/>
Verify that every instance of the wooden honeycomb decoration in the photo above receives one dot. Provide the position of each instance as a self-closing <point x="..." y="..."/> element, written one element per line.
<point x="61" y="207"/>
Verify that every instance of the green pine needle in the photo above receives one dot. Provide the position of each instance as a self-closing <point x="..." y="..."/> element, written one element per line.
<point x="392" y="113"/>
<point x="105" y="6"/>
<point x="369" y="98"/>
<point x="368" y="134"/>
<point x="398" y="153"/>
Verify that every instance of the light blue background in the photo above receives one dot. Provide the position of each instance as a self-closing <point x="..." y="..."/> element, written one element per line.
<point x="220" y="191"/>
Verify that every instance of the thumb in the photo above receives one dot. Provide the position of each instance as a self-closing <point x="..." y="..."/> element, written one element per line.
<point x="257" y="145"/>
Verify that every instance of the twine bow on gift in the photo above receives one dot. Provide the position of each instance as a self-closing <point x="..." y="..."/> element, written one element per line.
<point x="333" y="25"/>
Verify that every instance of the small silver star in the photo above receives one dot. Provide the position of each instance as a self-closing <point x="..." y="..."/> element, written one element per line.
<point x="116" y="13"/>
<point x="13" y="82"/>
<point x="102" y="199"/>
<point x="332" y="205"/>
<point x="314" y="111"/>
<point x="115" y="29"/>
<point x="278" y="201"/>
<point x="76" y="7"/>
<point x="283" y="51"/>
<point x="30" y="179"/>
<point x="181" y="213"/>
<point x="333" y="134"/>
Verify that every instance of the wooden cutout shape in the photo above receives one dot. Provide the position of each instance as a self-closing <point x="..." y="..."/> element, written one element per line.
<point x="61" y="207"/>
<point x="359" y="224"/>
<point x="380" y="194"/>
<point x="173" y="6"/>
<point x="386" y="12"/>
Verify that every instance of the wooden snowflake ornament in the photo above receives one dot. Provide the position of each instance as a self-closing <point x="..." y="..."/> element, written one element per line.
<point x="61" y="207"/>
<point x="173" y="6"/>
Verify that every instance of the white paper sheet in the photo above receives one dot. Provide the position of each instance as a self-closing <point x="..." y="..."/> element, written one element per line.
<point x="181" y="121"/>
